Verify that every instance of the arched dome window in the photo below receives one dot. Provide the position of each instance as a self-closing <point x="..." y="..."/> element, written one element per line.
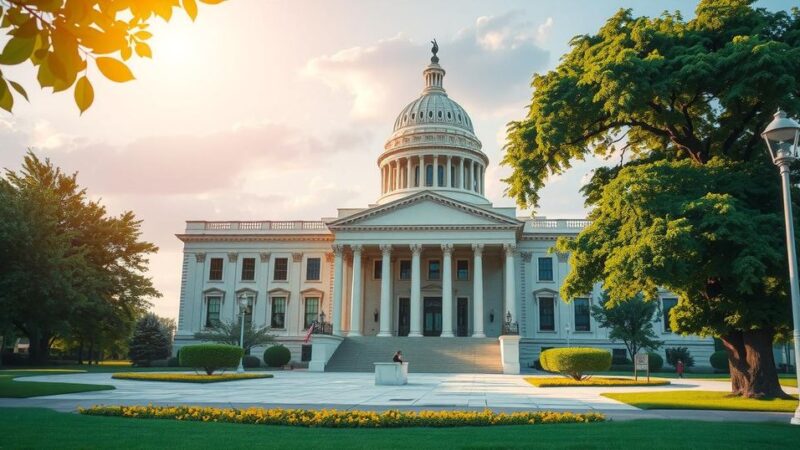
<point x="459" y="117"/>
<point x="429" y="175"/>
<point x="441" y="175"/>
<point x="430" y="114"/>
<point x="412" y="116"/>
<point x="448" y="115"/>
<point x="440" y="114"/>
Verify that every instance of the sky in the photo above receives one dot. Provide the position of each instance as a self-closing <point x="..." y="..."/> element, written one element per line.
<point x="278" y="110"/>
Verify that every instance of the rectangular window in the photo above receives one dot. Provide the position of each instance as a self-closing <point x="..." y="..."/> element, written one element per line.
<point x="278" y="313"/>
<point x="547" y="315"/>
<point x="582" y="322"/>
<point x="668" y="303"/>
<point x="215" y="274"/>
<point x="248" y="269"/>
<point x="405" y="269"/>
<point x="281" y="270"/>
<point x="313" y="269"/>
<point x="434" y="269"/>
<point x="212" y="313"/>
<point x="377" y="269"/>
<point x="545" y="269"/>
<point x="312" y="311"/>
<point x="462" y="269"/>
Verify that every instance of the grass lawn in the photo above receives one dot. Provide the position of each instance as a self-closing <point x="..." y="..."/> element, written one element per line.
<point x="11" y="388"/>
<point x="594" y="381"/>
<point x="700" y="400"/>
<point x="39" y="428"/>
<point x="189" y="377"/>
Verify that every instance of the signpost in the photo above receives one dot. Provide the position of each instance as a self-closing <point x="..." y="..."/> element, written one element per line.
<point x="641" y="362"/>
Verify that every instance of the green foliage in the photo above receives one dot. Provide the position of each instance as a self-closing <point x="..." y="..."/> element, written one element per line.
<point x="61" y="37"/>
<point x="251" y="361"/>
<point x="67" y="269"/>
<point x="210" y="357"/>
<point x="230" y="333"/>
<point x="575" y="361"/>
<point x="277" y="356"/>
<point x="654" y="361"/>
<point x="719" y="360"/>
<point x="629" y="321"/>
<point x="151" y="341"/>
<point x="189" y="377"/>
<point x="679" y="353"/>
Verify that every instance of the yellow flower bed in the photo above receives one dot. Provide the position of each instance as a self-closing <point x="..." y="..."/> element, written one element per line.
<point x="331" y="418"/>
<point x="188" y="377"/>
<point x="594" y="381"/>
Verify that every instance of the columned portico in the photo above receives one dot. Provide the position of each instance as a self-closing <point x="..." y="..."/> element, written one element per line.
<point x="477" y="328"/>
<point x="416" y="307"/>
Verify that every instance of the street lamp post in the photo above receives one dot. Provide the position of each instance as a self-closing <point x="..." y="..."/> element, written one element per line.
<point x="782" y="135"/>
<point x="244" y="302"/>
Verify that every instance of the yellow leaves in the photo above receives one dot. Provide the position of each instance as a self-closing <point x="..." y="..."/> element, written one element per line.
<point x="6" y="99"/>
<point x="114" y="69"/>
<point x="190" y="6"/>
<point x="84" y="94"/>
<point x="143" y="50"/>
<point x="17" y="50"/>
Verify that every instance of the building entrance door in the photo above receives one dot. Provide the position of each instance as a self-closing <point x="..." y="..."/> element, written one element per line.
<point x="432" y="316"/>
<point x="462" y="316"/>
<point x="403" y="317"/>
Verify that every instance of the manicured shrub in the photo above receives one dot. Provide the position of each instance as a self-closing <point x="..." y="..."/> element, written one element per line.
<point x="173" y="361"/>
<point x="277" y="356"/>
<point x="251" y="361"/>
<point x="575" y="362"/>
<point x="655" y="361"/>
<point x="150" y="341"/>
<point x="679" y="353"/>
<point x="595" y="381"/>
<point x="719" y="361"/>
<point x="210" y="357"/>
<point x="189" y="377"/>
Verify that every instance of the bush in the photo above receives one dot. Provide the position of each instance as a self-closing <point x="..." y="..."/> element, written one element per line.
<point x="654" y="361"/>
<point x="251" y="361"/>
<point x="277" y="356"/>
<point x="173" y="361"/>
<point x="575" y="362"/>
<point x="150" y="341"/>
<point x="595" y="381"/>
<point x="210" y="357"/>
<point x="719" y="360"/>
<point x="679" y="353"/>
<point x="188" y="377"/>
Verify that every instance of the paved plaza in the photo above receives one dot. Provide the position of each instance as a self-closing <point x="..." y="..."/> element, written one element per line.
<point x="358" y="391"/>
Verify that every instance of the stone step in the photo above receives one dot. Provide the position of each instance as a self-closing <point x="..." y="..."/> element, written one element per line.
<point x="424" y="354"/>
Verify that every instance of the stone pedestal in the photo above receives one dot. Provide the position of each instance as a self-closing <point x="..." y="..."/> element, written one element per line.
<point x="322" y="348"/>
<point x="391" y="374"/>
<point x="509" y="354"/>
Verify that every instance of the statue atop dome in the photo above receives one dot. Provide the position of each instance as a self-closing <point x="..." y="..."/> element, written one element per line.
<point x="435" y="50"/>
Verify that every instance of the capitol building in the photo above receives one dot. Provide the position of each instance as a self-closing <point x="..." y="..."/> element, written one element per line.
<point x="432" y="268"/>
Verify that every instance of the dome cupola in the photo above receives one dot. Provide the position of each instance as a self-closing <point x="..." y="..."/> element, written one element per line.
<point x="433" y="146"/>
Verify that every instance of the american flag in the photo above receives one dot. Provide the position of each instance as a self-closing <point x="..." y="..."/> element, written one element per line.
<point x="308" y="333"/>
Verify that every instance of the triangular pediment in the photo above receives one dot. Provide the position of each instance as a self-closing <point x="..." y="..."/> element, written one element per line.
<point x="425" y="209"/>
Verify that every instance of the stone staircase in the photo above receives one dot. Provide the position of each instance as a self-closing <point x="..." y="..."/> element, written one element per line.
<point x="424" y="354"/>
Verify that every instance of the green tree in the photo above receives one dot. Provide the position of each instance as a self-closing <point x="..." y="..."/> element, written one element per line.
<point x="629" y="321"/>
<point x="230" y="332"/>
<point x="66" y="266"/>
<point x="693" y="205"/>
<point x="151" y="341"/>
<point x="61" y="37"/>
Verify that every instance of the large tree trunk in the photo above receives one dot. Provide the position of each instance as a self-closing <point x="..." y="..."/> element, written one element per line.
<point x="752" y="364"/>
<point x="39" y="349"/>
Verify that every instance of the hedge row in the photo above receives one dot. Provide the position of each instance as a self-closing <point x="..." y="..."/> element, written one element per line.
<point x="575" y="361"/>
<point x="210" y="357"/>
<point x="332" y="418"/>
<point x="595" y="381"/>
<point x="188" y="377"/>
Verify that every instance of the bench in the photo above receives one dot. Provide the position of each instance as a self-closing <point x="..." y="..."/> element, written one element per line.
<point x="391" y="374"/>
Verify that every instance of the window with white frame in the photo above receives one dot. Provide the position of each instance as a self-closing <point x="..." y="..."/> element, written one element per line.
<point x="213" y="307"/>
<point x="280" y="271"/>
<point x="215" y="269"/>
<point x="311" y="311"/>
<point x="313" y="269"/>
<point x="545" y="269"/>
<point x="248" y="269"/>
<point x="377" y="269"/>
<point x="547" y="314"/>
<point x="582" y="316"/>
<point x="666" y="305"/>
<point x="405" y="269"/>
<point x="278" y="319"/>
<point x="462" y="269"/>
<point x="434" y="269"/>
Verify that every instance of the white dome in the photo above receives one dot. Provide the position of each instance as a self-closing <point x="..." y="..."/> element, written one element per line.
<point x="433" y="108"/>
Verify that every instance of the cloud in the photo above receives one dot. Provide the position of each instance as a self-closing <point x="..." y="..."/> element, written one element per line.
<point x="489" y="66"/>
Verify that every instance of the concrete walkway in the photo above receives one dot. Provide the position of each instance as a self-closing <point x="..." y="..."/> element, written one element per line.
<point x="358" y="391"/>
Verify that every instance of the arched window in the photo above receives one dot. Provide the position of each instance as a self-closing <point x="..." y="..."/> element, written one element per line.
<point x="453" y="176"/>
<point x="428" y="175"/>
<point x="441" y="175"/>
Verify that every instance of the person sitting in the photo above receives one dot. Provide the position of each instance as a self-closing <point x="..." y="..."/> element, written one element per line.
<point x="398" y="357"/>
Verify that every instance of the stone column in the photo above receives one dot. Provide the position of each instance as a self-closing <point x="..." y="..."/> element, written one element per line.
<point x="338" y="279"/>
<point x="386" y="292"/>
<point x="415" y="328"/>
<point x="355" y="294"/>
<point x="409" y="173"/>
<point x="435" y="170"/>
<point x="477" y="287"/>
<point x="461" y="173"/>
<point x="447" y="290"/>
<point x="447" y="174"/>
<point x="510" y="288"/>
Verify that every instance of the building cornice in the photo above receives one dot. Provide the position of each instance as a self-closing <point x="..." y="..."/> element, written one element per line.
<point x="255" y="237"/>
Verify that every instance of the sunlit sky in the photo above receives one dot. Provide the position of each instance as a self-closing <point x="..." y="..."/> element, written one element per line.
<point x="271" y="110"/>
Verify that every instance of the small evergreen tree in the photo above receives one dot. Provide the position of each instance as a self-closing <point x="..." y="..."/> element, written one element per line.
<point x="151" y="341"/>
<point x="630" y="321"/>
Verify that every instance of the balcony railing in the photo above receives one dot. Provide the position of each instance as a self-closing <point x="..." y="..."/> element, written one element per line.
<point x="576" y="224"/>
<point x="263" y="225"/>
